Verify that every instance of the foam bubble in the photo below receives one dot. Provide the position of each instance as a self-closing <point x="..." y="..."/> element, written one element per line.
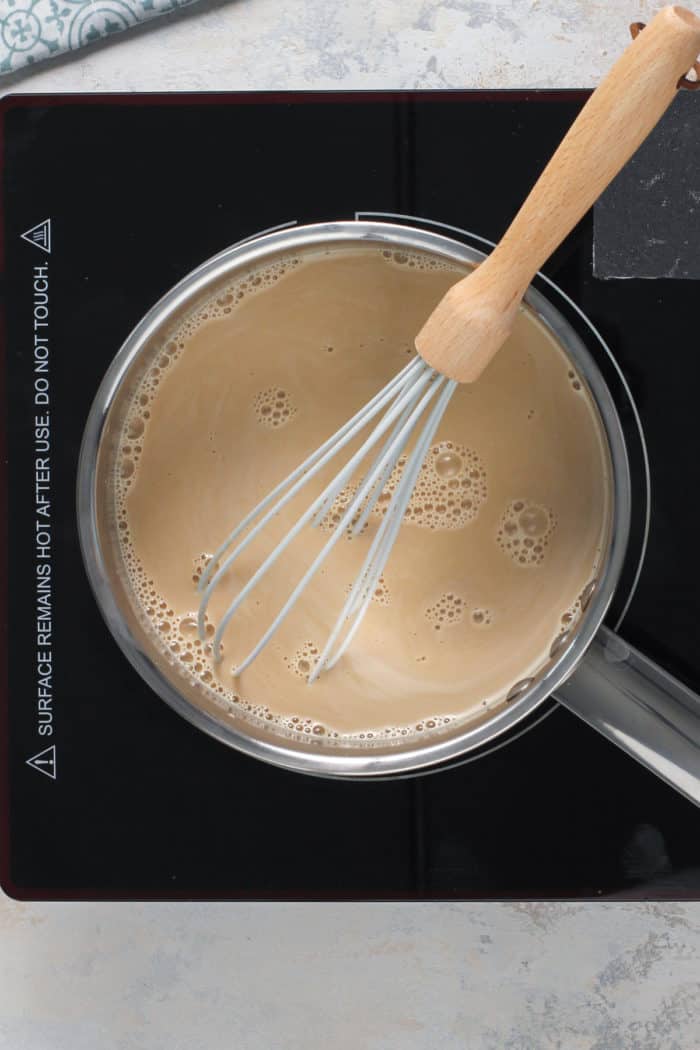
<point x="559" y="644"/>
<point x="188" y="627"/>
<point x="519" y="689"/>
<point x="448" y="465"/>
<point x="586" y="594"/>
<point x="525" y="531"/>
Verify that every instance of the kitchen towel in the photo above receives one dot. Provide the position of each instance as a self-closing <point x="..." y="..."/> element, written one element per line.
<point x="33" y="30"/>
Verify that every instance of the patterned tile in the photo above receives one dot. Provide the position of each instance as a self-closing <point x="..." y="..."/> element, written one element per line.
<point x="32" y="30"/>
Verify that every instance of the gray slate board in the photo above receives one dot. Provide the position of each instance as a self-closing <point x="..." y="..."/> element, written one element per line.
<point x="647" y="223"/>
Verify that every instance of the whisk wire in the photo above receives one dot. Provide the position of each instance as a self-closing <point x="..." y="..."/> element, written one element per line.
<point x="423" y="379"/>
<point x="366" y="413"/>
<point x="390" y="456"/>
<point x="383" y="478"/>
<point x="342" y="478"/>
<point x="297" y="479"/>
<point x="361" y="593"/>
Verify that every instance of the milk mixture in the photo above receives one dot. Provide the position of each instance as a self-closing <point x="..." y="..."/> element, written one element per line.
<point x="502" y="539"/>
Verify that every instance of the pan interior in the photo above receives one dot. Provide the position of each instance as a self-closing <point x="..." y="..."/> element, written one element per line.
<point x="474" y="615"/>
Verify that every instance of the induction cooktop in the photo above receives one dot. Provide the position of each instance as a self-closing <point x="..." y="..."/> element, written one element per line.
<point x="107" y="201"/>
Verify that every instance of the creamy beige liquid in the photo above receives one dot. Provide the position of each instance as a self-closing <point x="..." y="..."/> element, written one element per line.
<point x="503" y="535"/>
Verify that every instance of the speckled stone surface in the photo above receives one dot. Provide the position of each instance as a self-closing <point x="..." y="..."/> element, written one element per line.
<point x="264" y="44"/>
<point x="599" y="976"/>
<point x="351" y="977"/>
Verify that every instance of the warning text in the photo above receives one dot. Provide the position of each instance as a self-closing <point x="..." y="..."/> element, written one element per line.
<point x="43" y="529"/>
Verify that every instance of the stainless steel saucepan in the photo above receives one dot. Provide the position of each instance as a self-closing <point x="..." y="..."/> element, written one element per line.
<point x="591" y="671"/>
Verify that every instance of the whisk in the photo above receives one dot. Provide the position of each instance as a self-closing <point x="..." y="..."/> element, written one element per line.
<point x="460" y="337"/>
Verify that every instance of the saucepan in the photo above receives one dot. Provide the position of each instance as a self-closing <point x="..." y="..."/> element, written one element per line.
<point x="590" y="670"/>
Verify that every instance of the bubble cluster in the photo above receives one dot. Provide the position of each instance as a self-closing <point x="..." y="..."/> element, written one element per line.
<point x="337" y="510"/>
<point x="451" y="609"/>
<point x="525" y="531"/>
<point x="396" y="734"/>
<point x="303" y="660"/>
<point x="235" y="705"/>
<point x="418" y="261"/>
<point x="273" y="407"/>
<point x="131" y="443"/>
<point x="199" y="564"/>
<point x="381" y="595"/>
<point x="571" y="616"/>
<point x="449" y="491"/>
<point x="226" y="299"/>
<point x="447" y="611"/>
<point x="176" y="636"/>
<point x="295" y="725"/>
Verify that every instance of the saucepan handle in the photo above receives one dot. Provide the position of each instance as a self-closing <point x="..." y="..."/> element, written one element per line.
<point x="641" y="708"/>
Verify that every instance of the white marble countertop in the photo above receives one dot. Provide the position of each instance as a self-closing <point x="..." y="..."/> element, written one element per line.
<point x="325" y="44"/>
<point x="352" y="976"/>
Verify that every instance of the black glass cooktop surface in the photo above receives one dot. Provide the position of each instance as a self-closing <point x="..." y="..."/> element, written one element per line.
<point x="106" y="203"/>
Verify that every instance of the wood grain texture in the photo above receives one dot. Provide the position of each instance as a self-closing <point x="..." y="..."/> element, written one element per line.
<point x="475" y="317"/>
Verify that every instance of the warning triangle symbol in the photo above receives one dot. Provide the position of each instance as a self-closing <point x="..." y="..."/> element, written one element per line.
<point x="45" y="762"/>
<point x="39" y="236"/>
